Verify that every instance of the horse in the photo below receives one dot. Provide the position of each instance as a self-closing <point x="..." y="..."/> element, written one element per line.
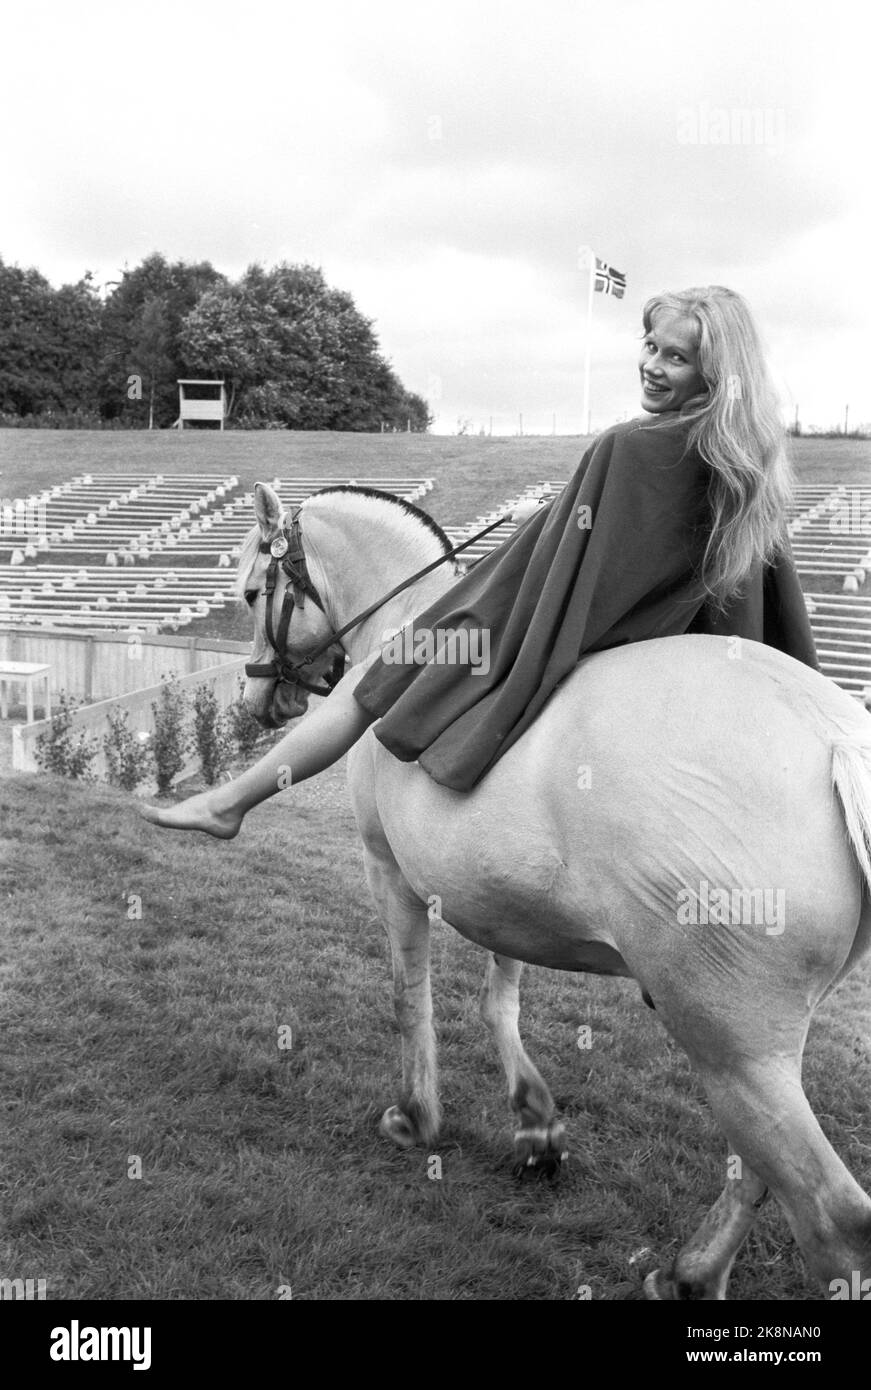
<point x="716" y="848"/>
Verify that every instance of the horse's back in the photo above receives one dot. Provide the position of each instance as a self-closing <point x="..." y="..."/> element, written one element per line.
<point x="655" y="768"/>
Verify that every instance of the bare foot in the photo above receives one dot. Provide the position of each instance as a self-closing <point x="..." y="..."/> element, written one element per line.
<point x="197" y="813"/>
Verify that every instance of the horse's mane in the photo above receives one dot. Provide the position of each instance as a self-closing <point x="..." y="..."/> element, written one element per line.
<point x="409" y="507"/>
<point x="250" y="546"/>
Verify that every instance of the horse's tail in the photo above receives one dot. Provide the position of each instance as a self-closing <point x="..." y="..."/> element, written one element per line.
<point x="851" y="776"/>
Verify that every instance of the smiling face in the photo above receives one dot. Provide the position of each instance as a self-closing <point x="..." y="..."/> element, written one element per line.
<point x="669" y="363"/>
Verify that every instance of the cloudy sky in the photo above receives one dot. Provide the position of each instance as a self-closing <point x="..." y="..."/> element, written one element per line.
<point x="445" y="162"/>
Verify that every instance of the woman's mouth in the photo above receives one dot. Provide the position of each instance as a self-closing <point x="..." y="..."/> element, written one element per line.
<point x="652" y="389"/>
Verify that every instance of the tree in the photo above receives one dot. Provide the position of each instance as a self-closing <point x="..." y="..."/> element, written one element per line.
<point x="296" y="353"/>
<point x="48" y="344"/>
<point x="77" y="315"/>
<point x="150" y="357"/>
<point x="223" y="337"/>
<point x="293" y="351"/>
<point x="178" y="287"/>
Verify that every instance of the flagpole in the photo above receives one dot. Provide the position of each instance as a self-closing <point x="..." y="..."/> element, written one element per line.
<point x="589" y="340"/>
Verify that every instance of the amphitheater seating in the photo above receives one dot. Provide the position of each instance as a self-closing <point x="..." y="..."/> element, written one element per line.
<point x="155" y="553"/>
<point x="831" y="533"/>
<point x="133" y="518"/>
<point x="138" y="552"/>
<point x="826" y="526"/>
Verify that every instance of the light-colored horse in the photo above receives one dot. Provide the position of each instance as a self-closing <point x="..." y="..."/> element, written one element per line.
<point x="694" y="812"/>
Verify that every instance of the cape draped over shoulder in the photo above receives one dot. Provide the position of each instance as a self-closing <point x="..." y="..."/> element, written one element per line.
<point x="615" y="558"/>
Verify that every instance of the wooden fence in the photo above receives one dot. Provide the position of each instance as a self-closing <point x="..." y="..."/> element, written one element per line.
<point x="93" y="719"/>
<point x="100" y="665"/>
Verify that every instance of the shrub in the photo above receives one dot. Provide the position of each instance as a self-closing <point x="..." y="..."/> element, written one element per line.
<point x="241" y="726"/>
<point x="128" y="758"/>
<point x="211" y="734"/>
<point x="170" y="740"/>
<point x="62" y="751"/>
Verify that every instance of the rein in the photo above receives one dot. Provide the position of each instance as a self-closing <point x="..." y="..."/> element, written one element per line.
<point x="286" y="551"/>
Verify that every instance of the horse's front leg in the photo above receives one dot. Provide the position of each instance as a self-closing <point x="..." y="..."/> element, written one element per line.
<point x="540" y="1139"/>
<point x="415" y="1120"/>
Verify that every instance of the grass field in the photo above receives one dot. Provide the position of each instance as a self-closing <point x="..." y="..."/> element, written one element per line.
<point x="472" y="474"/>
<point x="156" y="1037"/>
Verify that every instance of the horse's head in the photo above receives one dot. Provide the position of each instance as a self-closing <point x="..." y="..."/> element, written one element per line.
<point x="362" y="548"/>
<point x="286" y="609"/>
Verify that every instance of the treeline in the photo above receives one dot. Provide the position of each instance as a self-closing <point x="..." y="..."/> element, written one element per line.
<point x="293" y="352"/>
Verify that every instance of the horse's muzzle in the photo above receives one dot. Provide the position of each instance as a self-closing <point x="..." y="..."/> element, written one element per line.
<point x="288" y="702"/>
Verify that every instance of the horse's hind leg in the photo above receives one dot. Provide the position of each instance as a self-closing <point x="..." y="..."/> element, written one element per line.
<point x="416" y="1118"/>
<point x="701" y="1270"/>
<point x="539" y="1141"/>
<point x="762" y="1105"/>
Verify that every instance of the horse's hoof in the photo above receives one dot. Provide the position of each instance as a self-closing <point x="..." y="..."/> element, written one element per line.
<point x="642" y="1263"/>
<point x="654" y="1288"/>
<point x="396" y="1126"/>
<point x="547" y="1168"/>
<point x="540" y="1151"/>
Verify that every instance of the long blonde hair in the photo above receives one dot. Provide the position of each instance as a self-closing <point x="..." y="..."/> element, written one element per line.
<point x="737" y="430"/>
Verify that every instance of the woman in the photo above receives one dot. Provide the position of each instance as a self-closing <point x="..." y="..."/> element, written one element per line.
<point x="673" y="523"/>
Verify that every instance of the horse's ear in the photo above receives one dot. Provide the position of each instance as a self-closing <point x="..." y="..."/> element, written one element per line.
<point x="267" y="509"/>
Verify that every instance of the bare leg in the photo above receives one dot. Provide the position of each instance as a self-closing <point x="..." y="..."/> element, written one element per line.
<point x="540" y="1140"/>
<point x="310" y="746"/>
<point x="702" y="1268"/>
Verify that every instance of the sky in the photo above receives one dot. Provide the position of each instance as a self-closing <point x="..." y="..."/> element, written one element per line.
<point x="446" y="163"/>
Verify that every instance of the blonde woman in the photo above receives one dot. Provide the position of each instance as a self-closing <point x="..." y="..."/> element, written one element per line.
<point x="673" y="523"/>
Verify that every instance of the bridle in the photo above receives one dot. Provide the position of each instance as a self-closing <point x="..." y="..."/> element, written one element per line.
<point x="286" y="552"/>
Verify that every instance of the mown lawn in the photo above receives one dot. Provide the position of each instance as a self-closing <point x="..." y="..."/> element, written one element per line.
<point x="472" y="474"/>
<point x="157" y="1038"/>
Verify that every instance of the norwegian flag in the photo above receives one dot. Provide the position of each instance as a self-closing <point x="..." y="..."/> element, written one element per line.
<point x="609" y="280"/>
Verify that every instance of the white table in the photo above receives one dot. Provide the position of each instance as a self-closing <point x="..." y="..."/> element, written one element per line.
<point x="26" y="673"/>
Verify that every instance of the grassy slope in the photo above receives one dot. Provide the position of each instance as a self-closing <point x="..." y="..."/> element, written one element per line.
<point x="472" y="474"/>
<point x="159" y="1037"/>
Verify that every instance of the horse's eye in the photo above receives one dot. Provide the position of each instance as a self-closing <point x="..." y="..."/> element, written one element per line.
<point x="251" y="596"/>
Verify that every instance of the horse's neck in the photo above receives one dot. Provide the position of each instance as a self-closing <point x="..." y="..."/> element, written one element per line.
<point x="355" y="559"/>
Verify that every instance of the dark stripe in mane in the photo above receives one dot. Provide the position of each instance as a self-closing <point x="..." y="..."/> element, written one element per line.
<point x="409" y="507"/>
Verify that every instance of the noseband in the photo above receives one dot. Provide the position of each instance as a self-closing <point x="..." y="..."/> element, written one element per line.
<point x="285" y="552"/>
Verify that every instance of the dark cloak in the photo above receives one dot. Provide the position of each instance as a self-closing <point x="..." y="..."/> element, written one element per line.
<point x="615" y="558"/>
